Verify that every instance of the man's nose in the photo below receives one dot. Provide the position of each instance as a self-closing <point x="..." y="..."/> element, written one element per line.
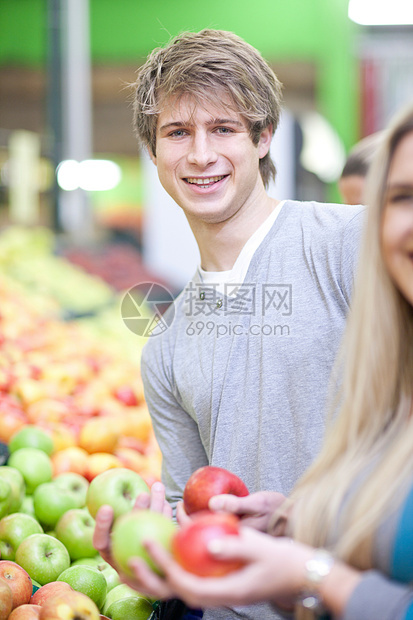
<point x="201" y="151"/>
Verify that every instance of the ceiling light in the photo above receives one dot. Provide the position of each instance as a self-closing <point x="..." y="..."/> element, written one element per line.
<point x="381" y="12"/>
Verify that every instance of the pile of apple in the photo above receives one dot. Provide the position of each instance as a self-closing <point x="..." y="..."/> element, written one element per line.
<point x="49" y="568"/>
<point x="87" y="396"/>
<point x="189" y="543"/>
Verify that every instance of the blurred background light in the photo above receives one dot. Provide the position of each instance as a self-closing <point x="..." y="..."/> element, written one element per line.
<point x="381" y="12"/>
<point x="93" y="175"/>
<point x="323" y="152"/>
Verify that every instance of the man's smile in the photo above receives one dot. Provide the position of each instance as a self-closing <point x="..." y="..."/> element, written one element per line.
<point x="204" y="181"/>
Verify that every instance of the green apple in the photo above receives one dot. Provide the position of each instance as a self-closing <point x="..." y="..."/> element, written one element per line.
<point x="43" y="557"/>
<point x="18" y="487"/>
<point x="31" y="436"/>
<point x="87" y="580"/>
<point x="14" y="528"/>
<point x="127" y="605"/>
<point x="27" y="506"/>
<point x="5" y="498"/>
<point x="34" y="465"/>
<point x="110" y="574"/>
<point x="75" y="484"/>
<point x="50" y="502"/>
<point x="75" y="530"/>
<point x="119" y="593"/>
<point x="132" y="529"/>
<point x="118" y="487"/>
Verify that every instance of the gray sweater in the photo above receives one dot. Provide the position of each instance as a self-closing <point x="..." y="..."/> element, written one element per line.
<point x="240" y="380"/>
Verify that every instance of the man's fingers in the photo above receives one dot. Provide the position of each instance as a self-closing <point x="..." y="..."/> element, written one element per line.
<point x="143" y="501"/>
<point x="181" y="516"/>
<point x="167" y="510"/>
<point x="157" y="497"/>
<point x="154" y="501"/>
<point x="101" y="535"/>
<point x="151" y="584"/>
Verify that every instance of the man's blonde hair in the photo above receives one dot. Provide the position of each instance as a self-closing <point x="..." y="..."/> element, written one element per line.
<point x="208" y="65"/>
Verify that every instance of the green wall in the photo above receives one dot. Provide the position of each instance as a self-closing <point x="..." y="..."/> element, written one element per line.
<point x="124" y="31"/>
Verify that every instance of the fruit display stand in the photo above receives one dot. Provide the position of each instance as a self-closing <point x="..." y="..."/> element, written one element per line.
<point x="79" y="386"/>
<point x="71" y="409"/>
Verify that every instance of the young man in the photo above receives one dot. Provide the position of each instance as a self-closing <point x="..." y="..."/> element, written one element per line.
<point x="239" y="379"/>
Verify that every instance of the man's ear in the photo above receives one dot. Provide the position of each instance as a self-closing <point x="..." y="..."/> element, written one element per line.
<point x="265" y="141"/>
<point x="151" y="155"/>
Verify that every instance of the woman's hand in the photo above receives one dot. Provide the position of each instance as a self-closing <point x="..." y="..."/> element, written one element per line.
<point x="273" y="572"/>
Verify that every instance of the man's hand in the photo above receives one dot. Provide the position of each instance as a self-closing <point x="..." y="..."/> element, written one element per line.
<point x="255" y="510"/>
<point x="104" y="520"/>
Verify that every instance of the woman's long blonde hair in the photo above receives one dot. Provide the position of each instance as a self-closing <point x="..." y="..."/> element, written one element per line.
<point x="366" y="463"/>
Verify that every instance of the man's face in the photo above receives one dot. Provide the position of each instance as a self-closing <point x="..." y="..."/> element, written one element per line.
<point x="207" y="161"/>
<point x="351" y="188"/>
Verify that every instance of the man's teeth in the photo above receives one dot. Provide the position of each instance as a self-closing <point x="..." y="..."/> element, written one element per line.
<point x="207" y="181"/>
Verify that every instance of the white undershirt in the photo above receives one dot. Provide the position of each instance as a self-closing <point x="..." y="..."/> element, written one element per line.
<point x="237" y="274"/>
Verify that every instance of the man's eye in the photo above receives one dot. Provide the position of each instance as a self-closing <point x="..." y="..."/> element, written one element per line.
<point x="178" y="133"/>
<point x="224" y="130"/>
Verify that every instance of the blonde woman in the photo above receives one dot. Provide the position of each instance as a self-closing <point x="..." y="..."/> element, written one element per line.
<point x="348" y="552"/>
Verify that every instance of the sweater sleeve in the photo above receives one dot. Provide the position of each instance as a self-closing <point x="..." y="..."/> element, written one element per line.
<point x="376" y="596"/>
<point x="176" y="432"/>
<point x="350" y="251"/>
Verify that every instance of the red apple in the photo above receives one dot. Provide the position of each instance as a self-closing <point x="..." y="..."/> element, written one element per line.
<point x="72" y="458"/>
<point x="25" y="612"/>
<point x="47" y="591"/>
<point x="100" y="462"/>
<point x="126" y="395"/>
<point x="99" y="436"/>
<point x="208" y="481"/>
<point x="11" y="420"/>
<point x="6" y="600"/>
<point x="69" y="606"/>
<point x="190" y="544"/>
<point x="131" y="459"/>
<point x="18" y="581"/>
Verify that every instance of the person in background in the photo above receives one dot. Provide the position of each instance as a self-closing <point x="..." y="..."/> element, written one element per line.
<point x="239" y="379"/>
<point x="342" y="543"/>
<point x="353" y="176"/>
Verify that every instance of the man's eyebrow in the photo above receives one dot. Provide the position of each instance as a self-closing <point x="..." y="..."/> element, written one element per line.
<point x="224" y="121"/>
<point x="213" y="121"/>
<point x="173" y="124"/>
